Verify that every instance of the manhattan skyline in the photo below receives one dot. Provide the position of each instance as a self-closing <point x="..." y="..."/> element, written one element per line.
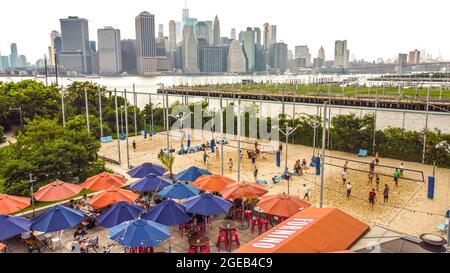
<point x="375" y="29"/>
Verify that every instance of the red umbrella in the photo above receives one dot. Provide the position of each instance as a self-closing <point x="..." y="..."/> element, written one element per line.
<point x="111" y="196"/>
<point x="57" y="190"/>
<point x="212" y="183"/>
<point x="244" y="189"/>
<point x="103" y="181"/>
<point x="10" y="204"/>
<point x="282" y="205"/>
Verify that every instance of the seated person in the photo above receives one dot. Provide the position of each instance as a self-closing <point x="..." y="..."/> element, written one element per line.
<point x="84" y="200"/>
<point x="304" y="164"/>
<point x="79" y="233"/>
<point x="199" y="219"/>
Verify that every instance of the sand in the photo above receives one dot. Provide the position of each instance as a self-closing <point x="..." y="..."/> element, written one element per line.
<point x="408" y="210"/>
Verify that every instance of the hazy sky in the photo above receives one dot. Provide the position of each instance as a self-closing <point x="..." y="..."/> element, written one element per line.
<point x="373" y="28"/>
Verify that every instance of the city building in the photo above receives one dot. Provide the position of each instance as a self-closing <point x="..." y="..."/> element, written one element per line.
<point x="279" y="57"/>
<point x="260" y="62"/>
<point x="266" y="37"/>
<point x="4" y="62"/>
<point x="272" y="39"/>
<point x="250" y="48"/>
<point x="76" y="53"/>
<point x="233" y="34"/>
<point x="145" y="43"/>
<point x="216" y="31"/>
<point x="318" y="62"/>
<point x="129" y="58"/>
<point x="202" y="31"/>
<point x="213" y="59"/>
<point x="190" y="50"/>
<point x="236" y="60"/>
<point x="302" y="51"/>
<point x="414" y="57"/>
<point x="257" y="35"/>
<point x="14" y="57"/>
<point x="93" y="46"/>
<point x="22" y="62"/>
<point x="321" y="53"/>
<point x="172" y="36"/>
<point x="55" y="46"/>
<point x="341" y="54"/>
<point x="109" y="51"/>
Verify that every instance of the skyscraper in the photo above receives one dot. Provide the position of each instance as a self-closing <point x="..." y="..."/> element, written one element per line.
<point x="414" y="57"/>
<point x="55" y="46"/>
<point x="22" y="61"/>
<point x="172" y="36"/>
<point x="190" y="50"/>
<point x="160" y="30"/>
<point x="272" y="35"/>
<point x="341" y="54"/>
<point x="76" y="54"/>
<point x="202" y="31"/>
<point x="212" y="59"/>
<point x="236" y="59"/>
<point x="128" y="48"/>
<point x="302" y="51"/>
<point x="184" y="16"/>
<point x="279" y="56"/>
<point x="249" y="48"/>
<point x="321" y="53"/>
<point x="109" y="51"/>
<point x="216" y="32"/>
<point x="145" y="43"/>
<point x="266" y="37"/>
<point x="257" y="35"/>
<point x="14" y="57"/>
<point x="233" y="34"/>
<point x="4" y="61"/>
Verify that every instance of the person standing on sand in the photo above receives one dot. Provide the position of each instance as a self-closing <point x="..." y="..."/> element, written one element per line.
<point x="349" y="190"/>
<point x="205" y="157"/>
<point x="217" y="154"/>
<point x="372" y="167"/>
<point x="396" y="177"/>
<point x="372" y="198"/>
<point x="402" y="168"/>
<point x="134" y="145"/>
<point x="377" y="181"/>
<point x="255" y="173"/>
<point x="371" y="175"/>
<point x="344" y="175"/>
<point x="305" y="192"/>
<point x="377" y="158"/>
<point x="280" y="148"/>
<point x="230" y="164"/>
<point x="386" y="193"/>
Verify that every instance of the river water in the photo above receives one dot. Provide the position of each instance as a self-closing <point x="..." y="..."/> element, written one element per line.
<point x="411" y="120"/>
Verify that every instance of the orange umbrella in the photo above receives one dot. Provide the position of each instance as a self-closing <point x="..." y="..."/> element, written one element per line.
<point x="2" y="246"/>
<point x="212" y="183"/>
<point x="10" y="204"/>
<point x="57" y="190"/>
<point x="282" y="205"/>
<point x="103" y="181"/>
<point x="244" y="189"/>
<point x="111" y="196"/>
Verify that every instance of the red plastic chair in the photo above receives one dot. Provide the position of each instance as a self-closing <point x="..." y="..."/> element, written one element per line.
<point x="234" y="237"/>
<point x="205" y="249"/>
<point x="263" y="223"/>
<point x="248" y="215"/>
<point x="255" y="222"/>
<point x="237" y="213"/>
<point x="192" y="249"/>
<point x="223" y="238"/>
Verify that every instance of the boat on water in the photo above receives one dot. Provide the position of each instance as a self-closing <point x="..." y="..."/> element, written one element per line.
<point x="93" y="77"/>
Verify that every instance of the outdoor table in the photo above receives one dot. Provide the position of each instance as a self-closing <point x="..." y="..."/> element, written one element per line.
<point x="228" y="225"/>
<point x="198" y="241"/>
<point x="43" y="238"/>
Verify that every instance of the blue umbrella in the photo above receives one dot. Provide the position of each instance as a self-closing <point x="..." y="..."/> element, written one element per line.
<point x="119" y="213"/>
<point x="145" y="169"/>
<point x="179" y="191"/>
<point x="191" y="174"/>
<point x="138" y="233"/>
<point x="168" y="213"/>
<point x="207" y="204"/>
<point x="151" y="182"/>
<point x="11" y="226"/>
<point x="57" y="218"/>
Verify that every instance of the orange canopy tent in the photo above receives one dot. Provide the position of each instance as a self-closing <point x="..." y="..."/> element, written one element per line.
<point x="212" y="183"/>
<point x="57" y="190"/>
<point x="111" y="196"/>
<point x="313" y="230"/>
<point x="103" y="181"/>
<point x="282" y="205"/>
<point x="244" y="189"/>
<point x="10" y="204"/>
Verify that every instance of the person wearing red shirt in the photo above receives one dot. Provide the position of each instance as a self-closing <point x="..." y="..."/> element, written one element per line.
<point x="372" y="197"/>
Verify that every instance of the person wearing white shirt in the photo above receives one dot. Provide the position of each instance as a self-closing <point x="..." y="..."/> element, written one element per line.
<point x="349" y="189"/>
<point x="306" y="190"/>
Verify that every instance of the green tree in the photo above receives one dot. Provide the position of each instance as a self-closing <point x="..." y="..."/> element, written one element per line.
<point x="167" y="160"/>
<point x="350" y="133"/>
<point x="48" y="151"/>
<point x="2" y="135"/>
<point x="78" y="123"/>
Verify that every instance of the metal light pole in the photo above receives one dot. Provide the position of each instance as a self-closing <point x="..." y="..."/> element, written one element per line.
<point x="126" y="128"/>
<point x="100" y="114"/>
<point x="62" y="107"/>
<point x="221" y="136"/>
<point x="375" y="121"/>
<point x="87" y="110"/>
<point x="239" y="139"/>
<point x="134" y="110"/>
<point x="426" y="122"/>
<point x="322" y="162"/>
<point x="167" y="120"/>
<point x="117" y="125"/>
<point x="31" y="183"/>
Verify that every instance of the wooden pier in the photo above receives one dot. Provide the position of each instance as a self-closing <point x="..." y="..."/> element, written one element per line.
<point x="387" y="102"/>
